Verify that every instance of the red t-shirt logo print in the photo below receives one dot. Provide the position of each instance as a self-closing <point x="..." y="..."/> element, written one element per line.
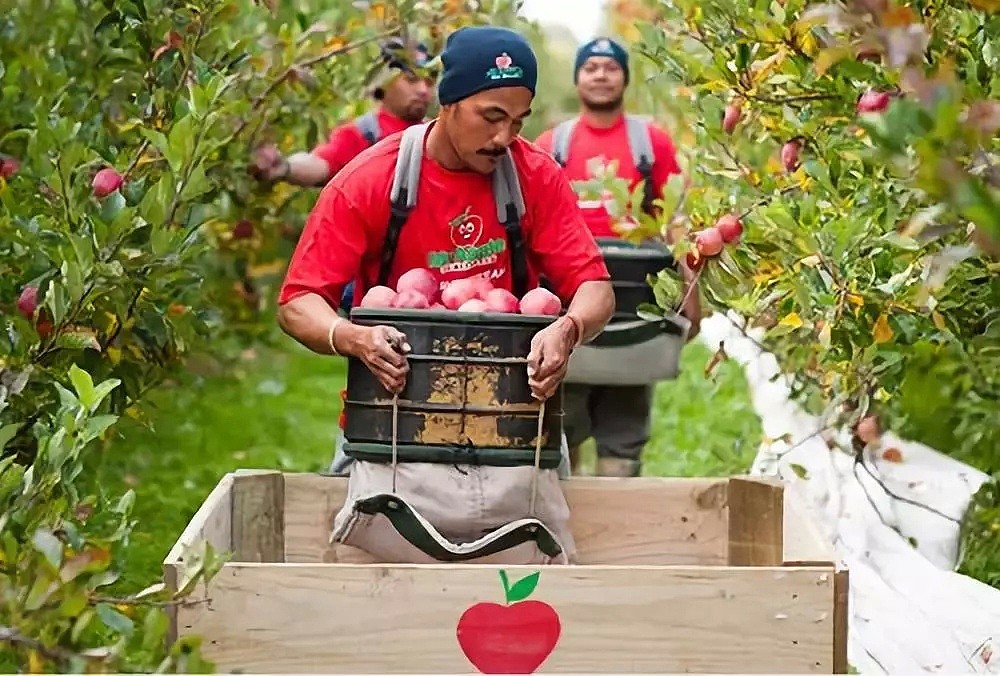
<point x="466" y="230"/>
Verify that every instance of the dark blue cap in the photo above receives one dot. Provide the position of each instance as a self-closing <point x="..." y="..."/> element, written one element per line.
<point x="601" y="47"/>
<point x="477" y="58"/>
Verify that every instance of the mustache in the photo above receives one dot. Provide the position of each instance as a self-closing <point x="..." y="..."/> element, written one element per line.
<point x="494" y="152"/>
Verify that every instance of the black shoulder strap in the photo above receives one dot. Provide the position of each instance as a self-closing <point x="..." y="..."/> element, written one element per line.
<point x="641" y="146"/>
<point x="403" y="195"/>
<point x="510" y="209"/>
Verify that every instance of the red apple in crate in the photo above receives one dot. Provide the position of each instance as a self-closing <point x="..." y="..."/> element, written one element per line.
<point x="420" y="280"/>
<point x="378" y="296"/>
<point x="501" y="300"/>
<point x="709" y="242"/>
<point x="511" y="638"/>
<point x="459" y="291"/>
<point x="473" y="305"/>
<point x="540" y="302"/>
<point x="410" y="299"/>
<point x="730" y="227"/>
<point x="482" y="286"/>
<point x="438" y="306"/>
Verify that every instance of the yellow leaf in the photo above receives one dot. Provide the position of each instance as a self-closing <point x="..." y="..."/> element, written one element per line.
<point x="986" y="5"/>
<point x="336" y="42"/>
<point x="764" y="67"/>
<point x="938" y="320"/>
<point x="855" y="299"/>
<point x="766" y="271"/>
<point x="36" y="665"/>
<point x="792" y="319"/>
<point x="882" y="332"/>
<point x="824" y="335"/>
<point x="115" y="355"/>
<point x="827" y="58"/>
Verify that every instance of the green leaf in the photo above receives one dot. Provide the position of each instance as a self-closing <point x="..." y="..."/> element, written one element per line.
<point x="83" y="384"/>
<point x="522" y="588"/>
<point x="81" y="623"/>
<point x="114" y="620"/>
<point x="7" y="433"/>
<point x="49" y="545"/>
<point x="799" y="470"/>
<point x="79" y="339"/>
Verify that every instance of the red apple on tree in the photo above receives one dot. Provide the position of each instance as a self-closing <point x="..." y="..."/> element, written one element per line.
<point x="729" y="227"/>
<point x="873" y="101"/>
<point x="105" y="182"/>
<point x="243" y="230"/>
<point x="732" y="116"/>
<point x="515" y="638"/>
<point x="709" y="242"/>
<point x="790" y="155"/>
<point x="693" y="260"/>
<point x="8" y="166"/>
<point x="27" y="302"/>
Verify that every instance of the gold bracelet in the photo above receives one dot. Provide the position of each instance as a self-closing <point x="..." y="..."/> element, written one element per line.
<point x="337" y="321"/>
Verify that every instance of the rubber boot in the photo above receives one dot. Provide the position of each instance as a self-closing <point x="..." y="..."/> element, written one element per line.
<point x="618" y="467"/>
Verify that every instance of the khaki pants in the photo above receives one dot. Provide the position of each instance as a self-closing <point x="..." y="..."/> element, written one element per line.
<point x="455" y="513"/>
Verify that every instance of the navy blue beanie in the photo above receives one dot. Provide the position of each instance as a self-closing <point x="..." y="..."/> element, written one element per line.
<point x="477" y="58"/>
<point x="601" y="47"/>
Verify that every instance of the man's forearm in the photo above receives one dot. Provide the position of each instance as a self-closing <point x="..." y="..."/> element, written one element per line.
<point x="593" y="305"/>
<point x="308" y="320"/>
<point x="306" y="169"/>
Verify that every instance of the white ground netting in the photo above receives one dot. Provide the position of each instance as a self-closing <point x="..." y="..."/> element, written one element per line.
<point x="909" y="612"/>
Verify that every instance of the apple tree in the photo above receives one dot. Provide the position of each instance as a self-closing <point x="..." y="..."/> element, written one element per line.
<point x="843" y="192"/>
<point x="130" y="235"/>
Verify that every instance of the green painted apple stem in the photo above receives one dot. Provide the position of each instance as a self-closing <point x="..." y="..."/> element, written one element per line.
<point x="506" y="586"/>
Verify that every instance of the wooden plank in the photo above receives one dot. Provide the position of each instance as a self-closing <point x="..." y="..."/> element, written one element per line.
<point x="211" y="524"/>
<point x="648" y="520"/>
<point x="803" y="542"/>
<point x="614" y="521"/>
<point x="755" y="522"/>
<point x="258" y="517"/>
<point x="332" y="618"/>
<point x="841" y="593"/>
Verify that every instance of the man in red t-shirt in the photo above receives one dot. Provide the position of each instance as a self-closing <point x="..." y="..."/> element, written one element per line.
<point x="403" y="89"/>
<point x="486" y="91"/>
<point x="616" y="416"/>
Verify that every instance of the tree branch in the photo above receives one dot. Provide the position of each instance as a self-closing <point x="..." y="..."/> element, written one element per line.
<point x="258" y="100"/>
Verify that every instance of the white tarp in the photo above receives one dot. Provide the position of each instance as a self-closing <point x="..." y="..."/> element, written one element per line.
<point x="909" y="612"/>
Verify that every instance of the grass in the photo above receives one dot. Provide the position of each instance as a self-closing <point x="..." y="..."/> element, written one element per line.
<point x="279" y="408"/>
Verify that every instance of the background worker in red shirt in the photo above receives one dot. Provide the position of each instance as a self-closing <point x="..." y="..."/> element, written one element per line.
<point x="402" y="88"/>
<point x="616" y="416"/>
<point x="453" y="230"/>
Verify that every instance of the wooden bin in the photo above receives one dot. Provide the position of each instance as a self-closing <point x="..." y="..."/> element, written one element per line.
<point x="675" y="575"/>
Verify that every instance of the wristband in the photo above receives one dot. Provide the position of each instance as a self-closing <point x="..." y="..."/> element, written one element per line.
<point x="337" y="321"/>
<point x="578" y="323"/>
